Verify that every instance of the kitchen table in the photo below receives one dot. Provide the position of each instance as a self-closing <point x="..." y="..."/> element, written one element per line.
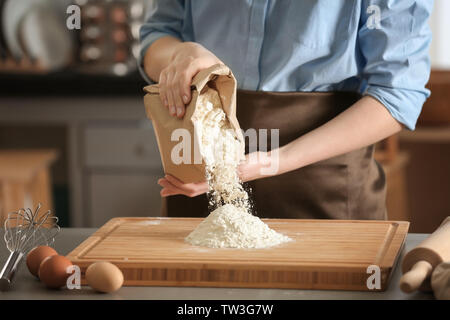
<point x="28" y="287"/>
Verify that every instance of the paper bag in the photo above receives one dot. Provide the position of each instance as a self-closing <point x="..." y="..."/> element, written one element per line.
<point x="216" y="79"/>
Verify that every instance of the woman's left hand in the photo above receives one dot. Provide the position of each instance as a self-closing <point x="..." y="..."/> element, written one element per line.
<point x="173" y="186"/>
<point x="252" y="167"/>
<point x="248" y="170"/>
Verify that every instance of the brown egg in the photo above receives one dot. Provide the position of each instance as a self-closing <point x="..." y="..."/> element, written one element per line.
<point x="104" y="277"/>
<point x="36" y="256"/>
<point x="53" y="271"/>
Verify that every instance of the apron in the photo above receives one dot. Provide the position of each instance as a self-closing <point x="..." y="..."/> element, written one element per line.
<point x="349" y="186"/>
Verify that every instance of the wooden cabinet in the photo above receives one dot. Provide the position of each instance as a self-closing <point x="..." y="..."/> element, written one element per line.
<point x="435" y="111"/>
<point x="25" y="180"/>
<point x="121" y="169"/>
<point x="428" y="176"/>
<point x="397" y="200"/>
<point x="122" y="195"/>
<point x="131" y="146"/>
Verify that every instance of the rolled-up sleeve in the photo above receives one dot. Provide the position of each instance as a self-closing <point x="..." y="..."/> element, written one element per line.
<point x="396" y="54"/>
<point x="164" y="18"/>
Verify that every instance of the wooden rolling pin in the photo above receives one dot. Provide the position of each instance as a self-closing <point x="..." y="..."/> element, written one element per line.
<point x="419" y="263"/>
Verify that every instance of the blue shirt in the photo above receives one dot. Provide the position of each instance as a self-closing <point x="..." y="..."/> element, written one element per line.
<point x="376" y="47"/>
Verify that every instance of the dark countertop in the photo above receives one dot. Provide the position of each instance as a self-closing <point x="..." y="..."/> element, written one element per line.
<point x="27" y="287"/>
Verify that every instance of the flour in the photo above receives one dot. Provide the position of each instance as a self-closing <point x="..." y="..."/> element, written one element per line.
<point x="222" y="152"/>
<point x="231" y="224"/>
<point x="232" y="227"/>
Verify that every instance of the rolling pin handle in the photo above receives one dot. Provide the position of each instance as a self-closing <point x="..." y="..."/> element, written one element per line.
<point x="412" y="279"/>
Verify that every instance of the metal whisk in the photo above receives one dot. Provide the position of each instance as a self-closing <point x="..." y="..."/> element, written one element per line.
<point x="25" y="230"/>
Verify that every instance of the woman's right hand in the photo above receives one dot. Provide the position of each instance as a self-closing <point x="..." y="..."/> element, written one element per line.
<point x="175" y="80"/>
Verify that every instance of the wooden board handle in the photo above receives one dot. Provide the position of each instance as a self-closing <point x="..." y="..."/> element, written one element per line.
<point x="413" y="279"/>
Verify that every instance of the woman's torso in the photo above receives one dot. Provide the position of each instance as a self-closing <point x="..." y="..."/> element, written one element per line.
<point x="281" y="45"/>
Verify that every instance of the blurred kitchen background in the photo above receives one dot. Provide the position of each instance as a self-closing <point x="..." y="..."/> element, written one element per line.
<point x="74" y="136"/>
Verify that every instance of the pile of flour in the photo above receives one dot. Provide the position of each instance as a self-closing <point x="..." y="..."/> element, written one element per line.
<point x="231" y="224"/>
<point x="232" y="227"/>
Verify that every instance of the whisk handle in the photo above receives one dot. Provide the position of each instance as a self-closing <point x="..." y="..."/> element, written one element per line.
<point x="9" y="270"/>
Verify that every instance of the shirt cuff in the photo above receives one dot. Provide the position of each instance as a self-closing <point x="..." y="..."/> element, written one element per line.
<point x="404" y="105"/>
<point x="145" y="44"/>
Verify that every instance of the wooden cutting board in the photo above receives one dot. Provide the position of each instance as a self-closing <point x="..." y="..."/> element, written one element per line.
<point x="325" y="254"/>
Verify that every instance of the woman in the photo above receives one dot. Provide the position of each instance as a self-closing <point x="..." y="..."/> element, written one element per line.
<point x="335" y="76"/>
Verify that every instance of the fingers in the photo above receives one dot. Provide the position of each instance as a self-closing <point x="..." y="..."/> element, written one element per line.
<point x="173" y="186"/>
<point x="249" y="169"/>
<point x="177" y="82"/>
<point x="243" y="172"/>
<point x="168" y="188"/>
<point x="175" y="90"/>
<point x="190" y="70"/>
<point x="162" y="89"/>
<point x="169" y="92"/>
<point x="174" y="180"/>
<point x="188" y="188"/>
<point x="175" y="86"/>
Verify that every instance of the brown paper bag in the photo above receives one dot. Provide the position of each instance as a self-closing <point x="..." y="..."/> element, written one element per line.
<point x="217" y="79"/>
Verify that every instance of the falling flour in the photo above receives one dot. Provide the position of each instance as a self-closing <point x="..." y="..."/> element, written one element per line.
<point x="221" y="151"/>
<point x="231" y="224"/>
